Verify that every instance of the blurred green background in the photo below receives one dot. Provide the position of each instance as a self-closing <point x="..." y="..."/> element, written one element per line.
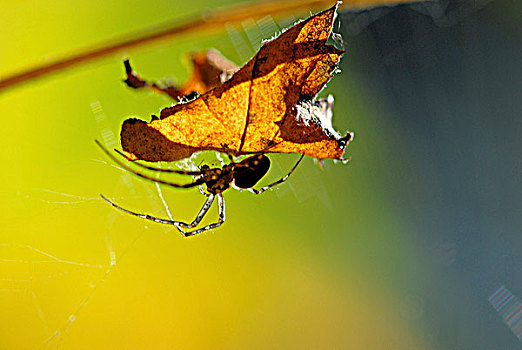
<point x="359" y="256"/>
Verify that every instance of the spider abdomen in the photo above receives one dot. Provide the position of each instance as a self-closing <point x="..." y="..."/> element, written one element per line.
<point x="249" y="171"/>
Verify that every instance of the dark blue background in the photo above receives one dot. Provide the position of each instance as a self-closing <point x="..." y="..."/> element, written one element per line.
<point x="449" y="75"/>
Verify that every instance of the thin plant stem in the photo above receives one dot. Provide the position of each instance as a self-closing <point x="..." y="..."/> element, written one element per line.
<point x="203" y="22"/>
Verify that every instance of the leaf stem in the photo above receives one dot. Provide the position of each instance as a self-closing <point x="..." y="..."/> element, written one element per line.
<point x="203" y="22"/>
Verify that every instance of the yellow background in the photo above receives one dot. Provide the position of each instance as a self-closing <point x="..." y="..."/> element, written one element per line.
<point x="321" y="262"/>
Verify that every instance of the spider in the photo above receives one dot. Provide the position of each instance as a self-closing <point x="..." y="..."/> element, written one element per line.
<point x="241" y="175"/>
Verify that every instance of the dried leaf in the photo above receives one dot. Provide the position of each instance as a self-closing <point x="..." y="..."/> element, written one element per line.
<point x="210" y="68"/>
<point x="267" y="106"/>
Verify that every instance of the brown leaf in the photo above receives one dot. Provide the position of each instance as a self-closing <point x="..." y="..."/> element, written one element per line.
<point x="267" y="106"/>
<point x="209" y="68"/>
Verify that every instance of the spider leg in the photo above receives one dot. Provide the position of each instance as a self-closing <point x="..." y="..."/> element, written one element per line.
<point x="221" y="220"/>
<point x="201" y="214"/>
<point x="202" y="191"/>
<point x="230" y="156"/>
<point x="179" y="224"/>
<point x="175" y="171"/>
<point x="143" y="176"/>
<point x="281" y="180"/>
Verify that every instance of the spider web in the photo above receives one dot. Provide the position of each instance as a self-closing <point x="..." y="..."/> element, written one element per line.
<point x="27" y="267"/>
<point x="64" y="267"/>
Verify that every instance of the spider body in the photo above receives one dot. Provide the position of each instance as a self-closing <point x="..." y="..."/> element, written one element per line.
<point x="243" y="175"/>
<point x="251" y="170"/>
<point x="217" y="180"/>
